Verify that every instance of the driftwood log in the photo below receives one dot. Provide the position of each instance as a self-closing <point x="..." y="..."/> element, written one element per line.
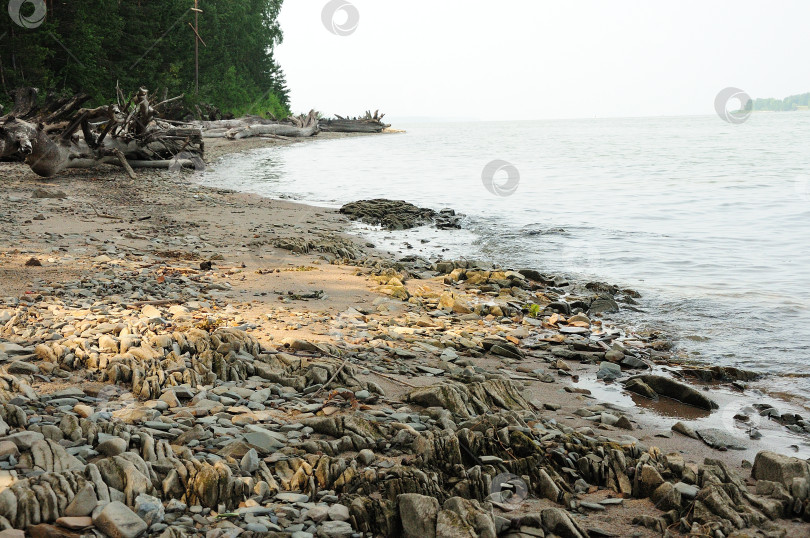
<point x="250" y="126"/>
<point x="60" y="134"/>
<point x="365" y="124"/>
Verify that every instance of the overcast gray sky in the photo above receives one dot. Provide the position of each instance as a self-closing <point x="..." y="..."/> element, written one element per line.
<point x="522" y="59"/>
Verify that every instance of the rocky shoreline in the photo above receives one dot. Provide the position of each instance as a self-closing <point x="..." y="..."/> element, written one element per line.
<point x="180" y="360"/>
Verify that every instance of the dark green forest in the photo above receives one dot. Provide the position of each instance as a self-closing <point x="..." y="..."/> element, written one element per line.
<point x="791" y="102"/>
<point x="89" y="45"/>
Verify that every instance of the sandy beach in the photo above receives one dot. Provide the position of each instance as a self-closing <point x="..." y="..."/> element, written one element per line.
<point x="277" y="374"/>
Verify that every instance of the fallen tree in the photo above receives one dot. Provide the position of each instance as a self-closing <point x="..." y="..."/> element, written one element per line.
<point x="249" y="126"/>
<point x="60" y="134"/>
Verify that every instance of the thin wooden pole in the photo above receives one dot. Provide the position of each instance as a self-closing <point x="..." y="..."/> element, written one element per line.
<point x="196" y="47"/>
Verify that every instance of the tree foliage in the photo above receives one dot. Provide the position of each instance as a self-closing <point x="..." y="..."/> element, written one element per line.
<point x="792" y="102"/>
<point x="89" y="45"/>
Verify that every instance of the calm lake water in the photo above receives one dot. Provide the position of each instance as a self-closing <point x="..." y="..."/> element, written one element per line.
<point x="709" y="221"/>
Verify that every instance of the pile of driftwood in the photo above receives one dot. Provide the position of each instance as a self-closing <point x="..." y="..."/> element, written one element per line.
<point x="366" y="124"/>
<point x="135" y="132"/>
<point x="60" y="134"/>
<point x="294" y="126"/>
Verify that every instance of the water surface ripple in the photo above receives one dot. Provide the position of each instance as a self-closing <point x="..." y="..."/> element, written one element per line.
<point x="709" y="220"/>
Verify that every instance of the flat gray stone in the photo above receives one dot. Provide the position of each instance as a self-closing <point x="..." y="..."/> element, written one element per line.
<point x="289" y="497"/>
<point x="117" y="521"/>
<point x="719" y="439"/>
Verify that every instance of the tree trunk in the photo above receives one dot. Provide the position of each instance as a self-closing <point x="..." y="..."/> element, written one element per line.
<point x="279" y="129"/>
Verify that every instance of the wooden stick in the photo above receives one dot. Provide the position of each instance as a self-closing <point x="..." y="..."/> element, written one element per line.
<point x="156" y="303"/>
<point x="124" y="163"/>
<point x="333" y="377"/>
<point x="103" y="215"/>
<point x="395" y="379"/>
<point x="170" y="101"/>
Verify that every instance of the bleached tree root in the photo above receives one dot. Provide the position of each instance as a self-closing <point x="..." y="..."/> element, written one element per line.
<point x="130" y="135"/>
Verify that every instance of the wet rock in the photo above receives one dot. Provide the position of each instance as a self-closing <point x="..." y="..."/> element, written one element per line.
<point x="447" y="219"/>
<point x="641" y="388"/>
<point x="624" y="423"/>
<point x="605" y="304"/>
<point x="633" y="362"/>
<point x="609" y="371"/>
<point x="670" y="388"/>
<point x="507" y="350"/>
<point x="390" y="214"/>
<point x="722" y="373"/>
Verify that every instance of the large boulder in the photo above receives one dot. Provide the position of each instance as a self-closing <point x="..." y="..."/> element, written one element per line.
<point x="778" y="468"/>
<point x="670" y="388"/>
<point x="470" y="399"/>
<point x="390" y="214"/>
<point x="418" y="514"/>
